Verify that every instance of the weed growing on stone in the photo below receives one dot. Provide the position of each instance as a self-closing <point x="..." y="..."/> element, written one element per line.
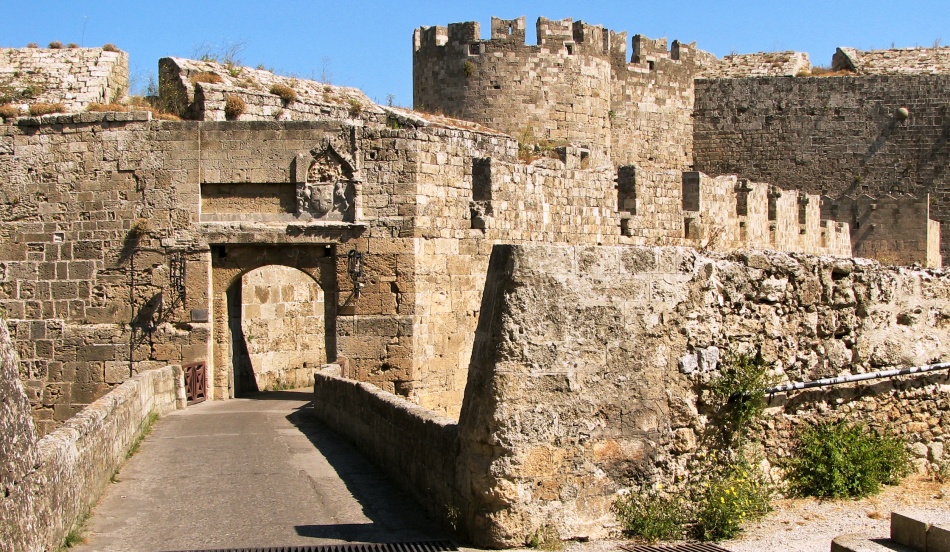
<point x="206" y="77"/>
<point x="234" y="107"/>
<point x="8" y="111"/>
<point x="355" y="107"/>
<point x="286" y="93"/>
<point x="545" y="538"/>
<point x="939" y="471"/>
<point x="845" y="460"/>
<point x="55" y="45"/>
<point x="146" y="429"/>
<point x="39" y="109"/>
<point x="110" y="47"/>
<point x="75" y="536"/>
<point x="739" y="391"/>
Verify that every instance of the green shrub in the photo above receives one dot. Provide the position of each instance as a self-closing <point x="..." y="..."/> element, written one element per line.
<point x="845" y="460"/>
<point x="286" y="93"/>
<point x="739" y="390"/>
<point x="233" y="107"/>
<point x="56" y="45"/>
<point x="732" y="495"/>
<point x="653" y="515"/>
<point x="713" y="504"/>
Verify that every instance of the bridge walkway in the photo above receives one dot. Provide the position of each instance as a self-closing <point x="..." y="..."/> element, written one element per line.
<point x="248" y="473"/>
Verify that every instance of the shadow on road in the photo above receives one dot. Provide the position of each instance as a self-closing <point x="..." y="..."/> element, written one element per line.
<point x="394" y="515"/>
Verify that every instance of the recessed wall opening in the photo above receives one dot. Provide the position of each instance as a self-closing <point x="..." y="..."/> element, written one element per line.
<point x="276" y="315"/>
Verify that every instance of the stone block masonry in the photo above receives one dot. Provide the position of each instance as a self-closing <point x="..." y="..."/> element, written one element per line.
<point x="838" y="135"/>
<point x="602" y="338"/>
<point x="575" y="87"/>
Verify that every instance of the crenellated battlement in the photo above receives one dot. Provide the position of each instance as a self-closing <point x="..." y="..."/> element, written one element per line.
<point x="556" y="36"/>
<point x="575" y="86"/>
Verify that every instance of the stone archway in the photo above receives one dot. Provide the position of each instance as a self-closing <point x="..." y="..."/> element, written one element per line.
<point x="230" y="263"/>
<point x="278" y="329"/>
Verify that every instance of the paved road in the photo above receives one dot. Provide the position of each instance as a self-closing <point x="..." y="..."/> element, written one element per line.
<point x="251" y="472"/>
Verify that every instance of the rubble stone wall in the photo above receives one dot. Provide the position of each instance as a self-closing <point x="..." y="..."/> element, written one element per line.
<point x="588" y="360"/>
<point x="895" y="61"/>
<point x="74" y="77"/>
<point x="762" y="64"/>
<point x="198" y="89"/>
<point x="840" y="135"/>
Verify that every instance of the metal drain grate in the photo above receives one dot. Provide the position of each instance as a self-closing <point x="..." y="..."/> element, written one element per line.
<point x="431" y="546"/>
<point x="688" y="547"/>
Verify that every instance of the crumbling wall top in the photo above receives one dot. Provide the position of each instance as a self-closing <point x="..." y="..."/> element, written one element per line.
<point x="896" y="61"/>
<point x="74" y="77"/>
<point x="761" y="64"/>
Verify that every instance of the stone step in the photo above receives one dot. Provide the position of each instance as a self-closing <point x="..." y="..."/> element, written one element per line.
<point x="908" y="534"/>
<point x="859" y="542"/>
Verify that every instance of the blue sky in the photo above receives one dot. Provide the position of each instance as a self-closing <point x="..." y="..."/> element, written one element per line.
<point x="367" y="44"/>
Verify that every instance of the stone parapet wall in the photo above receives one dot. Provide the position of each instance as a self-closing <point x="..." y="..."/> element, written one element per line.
<point x="55" y="481"/>
<point x="836" y="136"/>
<point x="416" y="449"/>
<point x="893" y="230"/>
<point x="74" y="77"/>
<point x="587" y="361"/>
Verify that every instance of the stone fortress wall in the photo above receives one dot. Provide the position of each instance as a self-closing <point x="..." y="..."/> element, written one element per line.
<point x="677" y="108"/>
<point x="590" y="362"/>
<point x="112" y="226"/>
<point x="124" y="238"/>
<point x="837" y="135"/>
